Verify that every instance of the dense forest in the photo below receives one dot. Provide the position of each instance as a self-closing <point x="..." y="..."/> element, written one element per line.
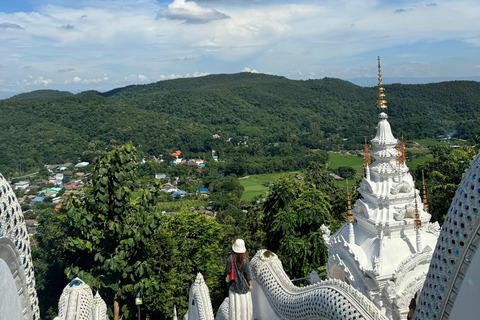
<point x="257" y="117"/>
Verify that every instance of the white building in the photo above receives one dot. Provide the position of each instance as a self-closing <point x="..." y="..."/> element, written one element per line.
<point x="58" y="179"/>
<point x="22" y="185"/>
<point x="383" y="254"/>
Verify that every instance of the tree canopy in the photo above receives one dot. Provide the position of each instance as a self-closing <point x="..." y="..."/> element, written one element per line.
<point x="265" y="123"/>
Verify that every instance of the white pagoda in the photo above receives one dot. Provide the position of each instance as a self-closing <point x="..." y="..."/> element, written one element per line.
<point x="385" y="247"/>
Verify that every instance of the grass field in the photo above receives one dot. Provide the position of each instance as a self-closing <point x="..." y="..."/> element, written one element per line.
<point x="346" y="160"/>
<point x="429" y="142"/>
<point x="413" y="164"/>
<point x="254" y="185"/>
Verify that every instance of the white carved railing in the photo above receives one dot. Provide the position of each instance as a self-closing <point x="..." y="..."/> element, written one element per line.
<point x="329" y="299"/>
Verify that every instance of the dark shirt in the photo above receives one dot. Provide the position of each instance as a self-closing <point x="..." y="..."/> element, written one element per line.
<point x="242" y="276"/>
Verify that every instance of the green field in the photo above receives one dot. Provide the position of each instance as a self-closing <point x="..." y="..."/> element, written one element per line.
<point x="413" y="164"/>
<point x="254" y="185"/>
<point x="428" y="142"/>
<point x="346" y="160"/>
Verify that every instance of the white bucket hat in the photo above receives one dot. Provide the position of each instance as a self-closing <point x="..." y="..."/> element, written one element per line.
<point x="239" y="246"/>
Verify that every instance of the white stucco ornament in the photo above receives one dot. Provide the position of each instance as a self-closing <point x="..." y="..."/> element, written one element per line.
<point x="386" y="253"/>
<point x="15" y="252"/>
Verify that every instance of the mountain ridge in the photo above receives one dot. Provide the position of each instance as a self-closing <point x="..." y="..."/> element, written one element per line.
<point x="185" y="114"/>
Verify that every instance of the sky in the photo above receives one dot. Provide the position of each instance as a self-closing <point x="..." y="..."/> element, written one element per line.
<point x="78" y="45"/>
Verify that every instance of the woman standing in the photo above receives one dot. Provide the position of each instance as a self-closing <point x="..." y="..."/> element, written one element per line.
<point x="240" y="298"/>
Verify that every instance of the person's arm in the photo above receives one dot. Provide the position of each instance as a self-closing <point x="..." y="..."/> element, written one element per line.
<point x="228" y="266"/>
<point x="248" y="275"/>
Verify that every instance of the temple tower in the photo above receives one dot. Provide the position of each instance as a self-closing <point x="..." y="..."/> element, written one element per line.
<point x="388" y="257"/>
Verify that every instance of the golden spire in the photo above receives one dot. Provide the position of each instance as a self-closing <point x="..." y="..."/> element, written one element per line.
<point x="425" y="203"/>
<point x="366" y="155"/>
<point x="417" y="223"/>
<point x="349" y="207"/>
<point x="401" y="153"/>
<point x="381" y="102"/>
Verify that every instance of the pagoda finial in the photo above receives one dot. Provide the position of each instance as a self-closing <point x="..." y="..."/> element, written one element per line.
<point x="366" y="155"/>
<point x="425" y="203"/>
<point x="402" y="153"/>
<point x="350" y="219"/>
<point x="381" y="102"/>
<point x="349" y="207"/>
<point x="417" y="223"/>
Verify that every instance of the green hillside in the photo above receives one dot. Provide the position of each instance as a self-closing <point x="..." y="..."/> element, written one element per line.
<point x="42" y="94"/>
<point x="279" y="116"/>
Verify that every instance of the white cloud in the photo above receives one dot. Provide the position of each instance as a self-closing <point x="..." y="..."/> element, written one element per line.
<point x="143" y="78"/>
<point x="145" y="40"/>
<point x="200" y="74"/>
<point x="190" y="12"/>
<point x="246" y="69"/>
<point x="42" y="81"/>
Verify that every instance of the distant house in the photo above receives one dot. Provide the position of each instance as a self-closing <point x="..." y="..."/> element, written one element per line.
<point x="22" y="185"/>
<point x="176" y="153"/>
<point x="160" y="176"/>
<point x="57" y="200"/>
<point x="31" y="223"/>
<point x="169" y="188"/>
<point x="58" y="166"/>
<point x="58" y="179"/>
<point x="179" y="193"/>
<point x="81" y="164"/>
<point x="37" y="199"/>
<point x="51" y="166"/>
<point x="203" y="191"/>
<point x="215" y="136"/>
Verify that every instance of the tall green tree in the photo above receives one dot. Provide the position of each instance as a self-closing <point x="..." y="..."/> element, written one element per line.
<point x="109" y="232"/>
<point x="293" y="214"/>
<point x="320" y="178"/>
<point x="442" y="176"/>
<point x="186" y="243"/>
<point x="50" y="260"/>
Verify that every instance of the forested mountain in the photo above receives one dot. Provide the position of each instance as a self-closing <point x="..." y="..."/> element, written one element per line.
<point x="42" y="94"/>
<point x="54" y="127"/>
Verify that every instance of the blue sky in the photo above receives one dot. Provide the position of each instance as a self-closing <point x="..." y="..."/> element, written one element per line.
<point x="102" y="44"/>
